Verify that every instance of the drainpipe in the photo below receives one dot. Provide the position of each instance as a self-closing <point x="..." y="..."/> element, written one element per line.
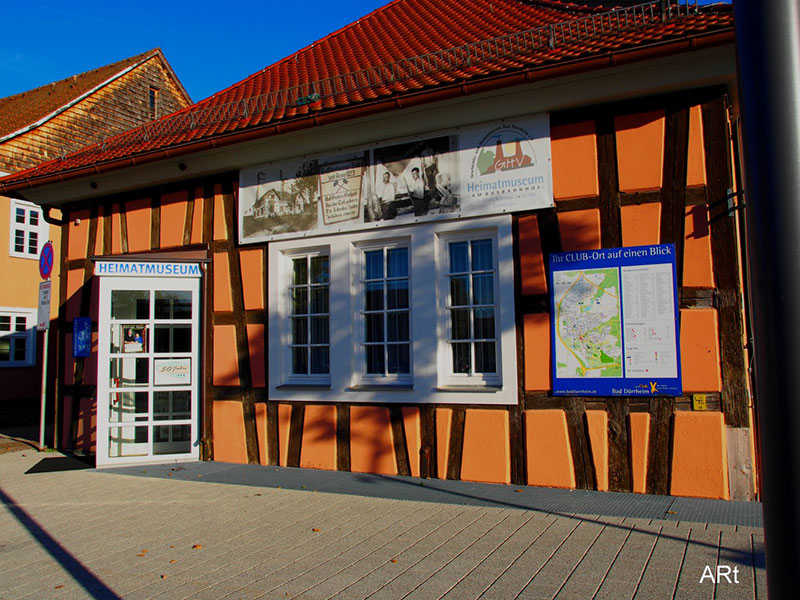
<point x="768" y="57"/>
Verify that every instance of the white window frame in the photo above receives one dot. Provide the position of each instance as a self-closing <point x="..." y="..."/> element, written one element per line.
<point x="42" y="229"/>
<point x="447" y="375"/>
<point x="359" y="251"/>
<point x="285" y="302"/>
<point x="429" y="381"/>
<point x="29" y="335"/>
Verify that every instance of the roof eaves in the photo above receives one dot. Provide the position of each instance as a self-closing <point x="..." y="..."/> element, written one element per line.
<point x="79" y="98"/>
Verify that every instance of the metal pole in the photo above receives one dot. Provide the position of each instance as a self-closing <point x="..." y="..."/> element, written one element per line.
<point x="768" y="55"/>
<point x="44" y="388"/>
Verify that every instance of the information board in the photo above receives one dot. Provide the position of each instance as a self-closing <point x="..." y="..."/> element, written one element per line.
<point x="614" y="318"/>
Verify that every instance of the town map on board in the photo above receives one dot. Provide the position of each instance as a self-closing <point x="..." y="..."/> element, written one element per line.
<point x="588" y="337"/>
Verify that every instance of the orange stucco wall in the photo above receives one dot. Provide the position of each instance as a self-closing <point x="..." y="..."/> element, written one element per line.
<point x="574" y="153"/>
<point x="549" y="452"/>
<point x="226" y="365"/>
<point x="696" y="167"/>
<point x="261" y="432"/>
<point x="255" y="346"/>
<point x="597" y="421"/>
<point x="640" y="150"/>
<point x="371" y="445"/>
<point x="229" y="445"/>
<point x="252" y="262"/>
<point x="411" y="423"/>
<point x="530" y="257"/>
<point x="697" y="265"/>
<point x="580" y="229"/>
<point x="138" y="218"/>
<point x="486" y="448"/>
<point x="699" y="455"/>
<point x="700" y="350"/>
<point x="318" y="450"/>
<point x="639" y="424"/>
<point x="220" y="230"/>
<point x="444" y="422"/>
<point x="173" y="214"/>
<point x="78" y="234"/>
<point x="641" y="224"/>
<point x="222" y="283"/>
<point x="284" y="423"/>
<point x="197" y="217"/>
<point x="536" y="336"/>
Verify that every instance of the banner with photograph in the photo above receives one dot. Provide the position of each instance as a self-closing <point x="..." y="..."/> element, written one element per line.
<point x="482" y="169"/>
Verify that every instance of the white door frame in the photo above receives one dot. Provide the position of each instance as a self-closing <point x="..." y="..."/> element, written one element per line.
<point x="128" y="278"/>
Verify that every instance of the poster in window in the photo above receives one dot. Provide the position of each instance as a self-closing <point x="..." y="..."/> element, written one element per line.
<point x="134" y="339"/>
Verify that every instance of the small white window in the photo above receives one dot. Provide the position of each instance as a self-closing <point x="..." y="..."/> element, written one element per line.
<point x="308" y="300"/>
<point x="28" y="230"/>
<point x="385" y="329"/>
<point x="17" y="337"/>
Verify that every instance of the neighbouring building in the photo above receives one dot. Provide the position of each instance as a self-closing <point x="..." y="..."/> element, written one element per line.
<point x="37" y="126"/>
<point x="507" y="252"/>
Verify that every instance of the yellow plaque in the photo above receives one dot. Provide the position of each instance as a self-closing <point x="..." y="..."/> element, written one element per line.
<point x="698" y="401"/>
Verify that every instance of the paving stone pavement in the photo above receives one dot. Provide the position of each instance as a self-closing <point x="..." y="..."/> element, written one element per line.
<point x="72" y="532"/>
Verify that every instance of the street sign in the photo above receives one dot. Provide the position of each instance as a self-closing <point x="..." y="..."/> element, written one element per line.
<point x="47" y="259"/>
<point x="43" y="320"/>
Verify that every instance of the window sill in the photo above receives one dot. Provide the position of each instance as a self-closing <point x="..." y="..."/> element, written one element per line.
<point x="380" y="387"/>
<point x="304" y="386"/>
<point x="476" y="389"/>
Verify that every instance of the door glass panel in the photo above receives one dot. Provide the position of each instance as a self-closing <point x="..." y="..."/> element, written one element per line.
<point x="128" y="406"/>
<point x="130" y="304"/>
<point x="172" y="439"/>
<point x="173" y="305"/>
<point x="172" y="405"/>
<point x="127" y="441"/>
<point x="127" y="372"/>
<point x="129" y="338"/>
<point x="173" y="338"/>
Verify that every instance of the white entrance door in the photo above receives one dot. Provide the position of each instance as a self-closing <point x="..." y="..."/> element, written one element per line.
<point x="148" y="369"/>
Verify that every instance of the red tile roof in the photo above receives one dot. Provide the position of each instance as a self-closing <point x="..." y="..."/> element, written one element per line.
<point x="21" y="110"/>
<point x="399" y="50"/>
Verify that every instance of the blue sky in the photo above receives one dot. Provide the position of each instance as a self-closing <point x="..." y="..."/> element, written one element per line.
<point x="210" y="45"/>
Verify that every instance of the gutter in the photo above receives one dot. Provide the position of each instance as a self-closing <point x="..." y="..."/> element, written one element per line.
<point x="423" y="97"/>
<point x="74" y="101"/>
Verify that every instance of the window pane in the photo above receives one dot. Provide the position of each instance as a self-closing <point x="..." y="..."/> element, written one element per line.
<point x="375" y="360"/>
<point x="320" y="360"/>
<point x="373" y="328"/>
<point x="397" y="327"/>
<point x="20" y="324"/>
<point x="484" y="323"/>
<point x="300" y="271"/>
<point x="319" y="269"/>
<point x="459" y="320"/>
<point x="5" y="349"/>
<point x="485" y="357"/>
<point x="399" y="360"/>
<point x="130" y="304"/>
<point x="127" y="441"/>
<point x="19" y="241"/>
<point x="319" y="330"/>
<point x="458" y="257"/>
<point x="300" y="361"/>
<point x="482" y="255"/>
<point x="319" y="299"/>
<point x="172" y="439"/>
<point x="127" y="406"/>
<point x="299" y="330"/>
<point x="300" y="301"/>
<point x="33" y="217"/>
<point x="33" y="242"/>
<point x="172" y="405"/>
<point x="126" y="372"/>
<point x="482" y="289"/>
<point x="5" y="323"/>
<point x="19" y="348"/>
<point x="173" y="338"/>
<point x="461" y="359"/>
<point x="397" y="262"/>
<point x="20" y="215"/>
<point x="173" y="305"/>
<point x="459" y="290"/>
<point x="373" y="299"/>
<point x="373" y="263"/>
<point x="397" y="294"/>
